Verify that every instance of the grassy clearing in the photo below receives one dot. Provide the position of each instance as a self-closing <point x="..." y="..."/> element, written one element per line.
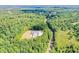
<point x="62" y="39"/>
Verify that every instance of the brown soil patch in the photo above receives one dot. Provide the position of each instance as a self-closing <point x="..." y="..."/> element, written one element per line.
<point x="27" y="35"/>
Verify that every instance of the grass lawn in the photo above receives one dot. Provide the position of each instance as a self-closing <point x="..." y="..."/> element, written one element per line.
<point x="62" y="39"/>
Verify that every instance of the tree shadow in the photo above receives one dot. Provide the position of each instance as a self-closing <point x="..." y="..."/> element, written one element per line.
<point x="37" y="27"/>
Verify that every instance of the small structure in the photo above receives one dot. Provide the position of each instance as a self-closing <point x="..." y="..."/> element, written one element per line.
<point x="32" y="34"/>
<point x="36" y="33"/>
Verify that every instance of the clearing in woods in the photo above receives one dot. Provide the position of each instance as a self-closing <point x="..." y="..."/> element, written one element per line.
<point x="31" y="34"/>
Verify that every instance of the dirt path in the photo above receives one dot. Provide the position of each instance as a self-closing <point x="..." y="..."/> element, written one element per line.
<point x="48" y="49"/>
<point x="52" y="40"/>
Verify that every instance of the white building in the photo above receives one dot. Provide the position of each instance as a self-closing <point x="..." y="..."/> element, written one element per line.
<point x="36" y="33"/>
<point x="31" y="34"/>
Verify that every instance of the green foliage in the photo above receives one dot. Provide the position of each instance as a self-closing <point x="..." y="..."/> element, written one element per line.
<point x="12" y="27"/>
<point x="67" y="35"/>
<point x="15" y="22"/>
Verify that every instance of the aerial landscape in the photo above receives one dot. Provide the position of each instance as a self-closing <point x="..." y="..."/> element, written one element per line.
<point x="39" y="29"/>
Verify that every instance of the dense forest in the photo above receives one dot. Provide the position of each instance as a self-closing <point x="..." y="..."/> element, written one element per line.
<point x="60" y="28"/>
